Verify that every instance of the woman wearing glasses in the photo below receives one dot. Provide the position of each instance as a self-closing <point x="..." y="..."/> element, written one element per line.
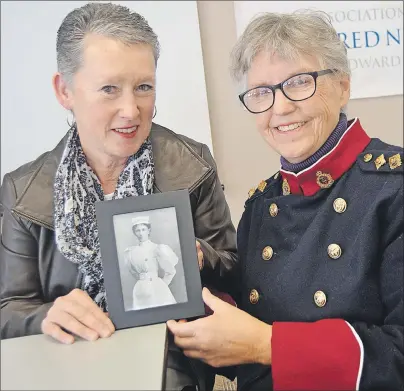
<point x="320" y="243"/>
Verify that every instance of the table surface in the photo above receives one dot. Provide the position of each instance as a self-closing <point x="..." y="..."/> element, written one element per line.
<point x="131" y="359"/>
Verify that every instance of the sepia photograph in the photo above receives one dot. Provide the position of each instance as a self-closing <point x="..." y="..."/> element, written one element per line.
<point x="150" y="260"/>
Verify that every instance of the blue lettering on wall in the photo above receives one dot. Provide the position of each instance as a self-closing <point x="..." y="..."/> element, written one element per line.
<point x="342" y="36"/>
<point x="356" y="38"/>
<point x="370" y="38"/>
<point x="375" y="34"/>
<point x="396" y="38"/>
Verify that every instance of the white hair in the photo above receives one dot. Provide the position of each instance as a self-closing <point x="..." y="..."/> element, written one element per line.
<point x="291" y="36"/>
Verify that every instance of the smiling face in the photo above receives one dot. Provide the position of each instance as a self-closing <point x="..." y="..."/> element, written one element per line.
<point x="296" y="130"/>
<point x="112" y="96"/>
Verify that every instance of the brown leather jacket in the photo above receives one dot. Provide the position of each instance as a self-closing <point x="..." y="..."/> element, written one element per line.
<point x="34" y="273"/>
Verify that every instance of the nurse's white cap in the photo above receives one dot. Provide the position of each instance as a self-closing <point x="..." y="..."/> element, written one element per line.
<point x="140" y="220"/>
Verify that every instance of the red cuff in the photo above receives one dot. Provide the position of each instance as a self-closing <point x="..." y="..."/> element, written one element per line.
<point x="323" y="355"/>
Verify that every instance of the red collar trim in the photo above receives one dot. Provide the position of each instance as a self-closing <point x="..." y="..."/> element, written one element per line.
<point x="330" y="167"/>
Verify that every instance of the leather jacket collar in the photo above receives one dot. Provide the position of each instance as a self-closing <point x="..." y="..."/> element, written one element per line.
<point x="171" y="154"/>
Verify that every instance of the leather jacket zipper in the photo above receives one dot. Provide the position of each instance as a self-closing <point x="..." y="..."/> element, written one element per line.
<point x="32" y="219"/>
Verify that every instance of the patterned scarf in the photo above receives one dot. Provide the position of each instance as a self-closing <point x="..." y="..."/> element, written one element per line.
<point x="76" y="190"/>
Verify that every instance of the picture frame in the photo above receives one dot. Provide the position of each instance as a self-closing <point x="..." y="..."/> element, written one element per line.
<point x="149" y="259"/>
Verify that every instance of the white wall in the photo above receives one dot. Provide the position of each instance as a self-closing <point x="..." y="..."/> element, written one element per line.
<point x="32" y="121"/>
<point x="366" y="27"/>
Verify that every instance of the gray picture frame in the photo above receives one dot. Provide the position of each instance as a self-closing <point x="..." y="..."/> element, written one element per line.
<point x="105" y="212"/>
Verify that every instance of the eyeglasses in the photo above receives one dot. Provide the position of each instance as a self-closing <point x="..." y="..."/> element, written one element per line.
<point x="297" y="88"/>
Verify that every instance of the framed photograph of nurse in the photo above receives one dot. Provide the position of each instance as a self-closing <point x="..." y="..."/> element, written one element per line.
<point x="149" y="259"/>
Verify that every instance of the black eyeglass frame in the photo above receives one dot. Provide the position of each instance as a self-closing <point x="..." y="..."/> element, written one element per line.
<point x="279" y="86"/>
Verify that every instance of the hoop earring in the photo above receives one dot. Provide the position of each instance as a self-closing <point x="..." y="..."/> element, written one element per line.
<point x="155" y="112"/>
<point x="71" y="123"/>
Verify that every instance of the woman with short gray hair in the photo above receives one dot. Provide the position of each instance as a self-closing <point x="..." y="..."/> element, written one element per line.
<point x="52" y="277"/>
<point x="320" y="243"/>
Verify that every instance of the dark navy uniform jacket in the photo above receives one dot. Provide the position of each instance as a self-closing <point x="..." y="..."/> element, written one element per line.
<point x="321" y="257"/>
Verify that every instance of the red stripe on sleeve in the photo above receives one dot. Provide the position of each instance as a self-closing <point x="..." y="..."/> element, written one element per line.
<point x="322" y="355"/>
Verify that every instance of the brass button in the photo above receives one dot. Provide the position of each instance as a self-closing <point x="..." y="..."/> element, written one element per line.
<point x="273" y="210"/>
<point x="320" y="299"/>
<point x="254" y="296"/>
<point x="267" y="253"/>
<point x="334" y="251"/>
<point x="339" y="205"/>
<point x="368" y="157"/>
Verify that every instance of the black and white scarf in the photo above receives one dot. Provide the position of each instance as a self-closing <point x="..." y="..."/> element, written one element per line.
<point x="76" y="190"/>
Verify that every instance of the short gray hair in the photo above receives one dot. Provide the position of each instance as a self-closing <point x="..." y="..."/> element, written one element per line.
<point x="291" y="36"/>
<point x="106" y="19"/>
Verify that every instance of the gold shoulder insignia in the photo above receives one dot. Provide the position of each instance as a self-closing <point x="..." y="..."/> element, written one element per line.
<point x="262" y="186"/>
<point x="395" y="161"/>
<point x="251" y="192"/>
<point x="381" y="161"/>
<point x="367" y="158"/>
